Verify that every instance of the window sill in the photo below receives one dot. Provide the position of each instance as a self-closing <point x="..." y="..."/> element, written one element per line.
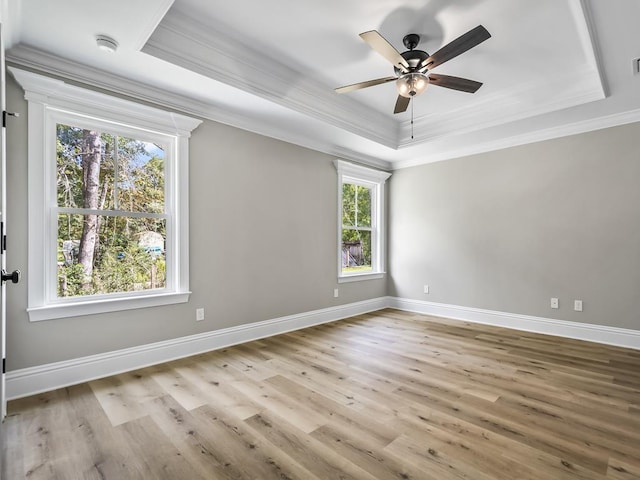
<point x="360" y="277"/>
<point x="92" y="307"/>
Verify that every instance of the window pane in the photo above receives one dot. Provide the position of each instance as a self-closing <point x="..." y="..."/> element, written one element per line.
<point x="108" y="169"/>
<point x="356" y="205"/>
<point x="363" y="198"/>
<point x="356" y="251"/>
<point x="140" y="176"/>
<point x="100" y="254"/>
<point x="78" y="151"/>
<point x="89" y="161"/>
<point x="348" y="204"/>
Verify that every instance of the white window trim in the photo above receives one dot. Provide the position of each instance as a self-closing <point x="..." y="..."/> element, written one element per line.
<point x="46" y="97"/>
<point x="352" y="173"/>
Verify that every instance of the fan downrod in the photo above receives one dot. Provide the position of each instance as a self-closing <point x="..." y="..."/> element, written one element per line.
<point x="411" y="40"/>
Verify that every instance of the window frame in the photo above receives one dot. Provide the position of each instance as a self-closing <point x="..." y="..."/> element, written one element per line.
<point x="354" y="174"/>
<point x="52" y="101"/>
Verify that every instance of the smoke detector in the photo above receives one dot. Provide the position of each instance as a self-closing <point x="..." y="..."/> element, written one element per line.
<point x="106" y="43"/>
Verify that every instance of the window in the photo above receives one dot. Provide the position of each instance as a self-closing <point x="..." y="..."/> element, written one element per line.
<point x="108" y="212"/>
<point x="360" y="222"/>
<point x="110" y="218"/>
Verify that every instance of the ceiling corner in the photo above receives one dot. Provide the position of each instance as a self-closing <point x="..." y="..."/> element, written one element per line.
<point x="151" y="21"/>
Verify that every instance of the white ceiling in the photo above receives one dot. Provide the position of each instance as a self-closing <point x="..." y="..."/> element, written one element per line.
<point x="551" y="68"/>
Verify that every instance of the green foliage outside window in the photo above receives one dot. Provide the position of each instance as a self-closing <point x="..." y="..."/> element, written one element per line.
<point x="105" y="249"/>
<point x="356" y="228"/>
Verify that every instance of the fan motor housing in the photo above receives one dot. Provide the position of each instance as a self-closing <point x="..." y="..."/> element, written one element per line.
<point x="414" y="58"/>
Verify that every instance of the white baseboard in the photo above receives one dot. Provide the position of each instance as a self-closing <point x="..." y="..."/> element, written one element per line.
<point x="42" y="378"/>
<point x="580" y="331"/>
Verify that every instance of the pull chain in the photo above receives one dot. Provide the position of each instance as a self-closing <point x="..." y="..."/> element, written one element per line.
<point x="412" y="119"/>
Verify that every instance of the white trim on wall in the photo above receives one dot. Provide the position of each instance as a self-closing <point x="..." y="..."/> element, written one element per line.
<point x="621" y="337"/>
<point x="42" y="378"/>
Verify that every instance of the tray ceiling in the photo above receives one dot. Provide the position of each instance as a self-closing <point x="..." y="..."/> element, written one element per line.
<point x="551" y="68"/>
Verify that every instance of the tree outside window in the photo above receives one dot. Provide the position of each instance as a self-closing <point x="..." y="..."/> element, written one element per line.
<point x="356" y="228"/>
<point x="111" y="226"/>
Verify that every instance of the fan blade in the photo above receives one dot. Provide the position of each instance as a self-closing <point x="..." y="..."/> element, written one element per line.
<point x="401" y="104"/>
<point x="457" y="47"/>
<point x="384" y="48"/>
<point x="369" y="83"/>
<point x="454" y="83"/>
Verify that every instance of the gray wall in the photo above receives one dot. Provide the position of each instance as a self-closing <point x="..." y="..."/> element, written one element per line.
<point x="510" y="229"/>
<point x="503" y="231"/>
<point x="262" y="244"/>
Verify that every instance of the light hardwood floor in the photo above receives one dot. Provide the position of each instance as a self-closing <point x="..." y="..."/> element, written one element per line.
<point x="388" y="395"/>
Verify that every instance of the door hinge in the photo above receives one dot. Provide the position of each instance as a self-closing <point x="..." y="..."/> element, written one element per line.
<point x="6" y="114"/>
<point x="4" y="365"/>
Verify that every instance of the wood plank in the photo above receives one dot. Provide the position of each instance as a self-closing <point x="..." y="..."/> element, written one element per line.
<point x="427" y="455"/>
<point x="620" y="470"/>
<point x="182" y="390"/>
<point x="296" y="413"/>
<point x="367" y="455"/>
<point x="158" y="455"/>
<point x="98" y="450"/>
<point x="116" y="402"/>
<point x="12" y="447"/>
<point x="220" y="394"/>
<point x="196" y="443"/>
<point x="253" y="456"/>
<point x="310" y="453"/>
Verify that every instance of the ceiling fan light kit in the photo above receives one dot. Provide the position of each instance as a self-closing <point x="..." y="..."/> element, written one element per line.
<point x="413" y="67"/>
<point x="412" y="84"/>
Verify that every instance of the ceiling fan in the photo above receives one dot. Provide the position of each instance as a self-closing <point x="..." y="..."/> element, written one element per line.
<point x="413" y="67"/>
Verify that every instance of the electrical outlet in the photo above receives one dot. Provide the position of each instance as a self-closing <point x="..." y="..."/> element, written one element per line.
<point x="336" y="293"/>
<point x="577" y="305"/>
<point x="199" y="314"/>
<point x="426" y="289"/>
<point x="554" y="303"/>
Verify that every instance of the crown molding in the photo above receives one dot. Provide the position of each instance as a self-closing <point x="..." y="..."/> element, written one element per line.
<point x="58" y="94"/>
<point x="220" y="55"/>
<point x="36" y="60"/>
<point x="559" y="131"/>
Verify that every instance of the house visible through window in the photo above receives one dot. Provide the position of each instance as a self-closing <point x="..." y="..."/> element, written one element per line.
<point x="361" y="221"/>
<point x="108" y="201"/>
